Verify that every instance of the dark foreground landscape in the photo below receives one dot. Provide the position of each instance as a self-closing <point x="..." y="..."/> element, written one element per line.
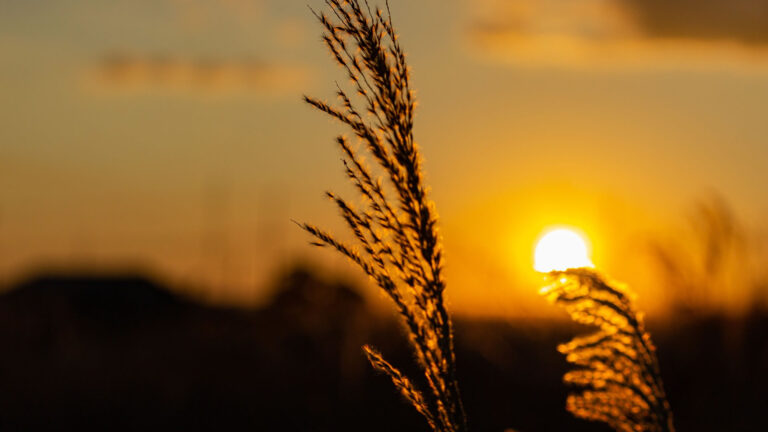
<point x="121" y="352"/>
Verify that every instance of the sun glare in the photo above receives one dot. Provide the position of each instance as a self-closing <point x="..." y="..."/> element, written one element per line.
<point x="561" y="249"/>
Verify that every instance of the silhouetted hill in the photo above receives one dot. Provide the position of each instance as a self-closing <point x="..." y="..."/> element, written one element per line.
<point x="117" y="299"/>
<point x="123" y="353"/>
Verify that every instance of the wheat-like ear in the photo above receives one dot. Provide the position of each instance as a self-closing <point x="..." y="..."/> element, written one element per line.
<point x="617" y="365"/>
<point x="399" y="246"/>
<point x="402" y="383"/>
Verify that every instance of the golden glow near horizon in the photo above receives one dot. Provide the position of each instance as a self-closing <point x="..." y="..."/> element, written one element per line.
<point x="193" y="95"/>
<point x="561" y="249"/>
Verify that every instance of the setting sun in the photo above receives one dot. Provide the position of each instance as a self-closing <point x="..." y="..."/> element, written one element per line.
<point x="561" y="249"/>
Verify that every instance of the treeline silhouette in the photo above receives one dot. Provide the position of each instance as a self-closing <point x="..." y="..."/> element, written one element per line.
<point x="122" y="352"/>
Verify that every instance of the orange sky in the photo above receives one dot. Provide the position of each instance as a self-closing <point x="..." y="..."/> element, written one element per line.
<point x="170" y="134"/>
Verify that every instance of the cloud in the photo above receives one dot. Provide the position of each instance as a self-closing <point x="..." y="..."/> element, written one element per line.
<point x="164" y="72"/>
<point x="622" y="32"/>
<point x="742" y="21"/>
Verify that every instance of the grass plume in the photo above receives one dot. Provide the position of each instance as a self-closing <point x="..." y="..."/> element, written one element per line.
<point x="398" y="244"/>
<point x="617" y="365"/>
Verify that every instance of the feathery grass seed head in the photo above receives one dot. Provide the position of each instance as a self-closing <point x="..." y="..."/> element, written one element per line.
<point x="398" y="245"/>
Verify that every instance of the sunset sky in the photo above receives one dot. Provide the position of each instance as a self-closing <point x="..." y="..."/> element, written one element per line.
<point x="170" y="135"/>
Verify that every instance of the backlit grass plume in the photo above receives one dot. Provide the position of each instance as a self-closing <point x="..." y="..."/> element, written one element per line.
<point x="396" y="230"/>
<point x="616" y="366"/>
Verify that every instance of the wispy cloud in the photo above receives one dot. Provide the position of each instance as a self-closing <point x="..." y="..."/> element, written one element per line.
<point x="622" y="32"/>
<point x="161" y="72"/>
<point x="742" y="21"/>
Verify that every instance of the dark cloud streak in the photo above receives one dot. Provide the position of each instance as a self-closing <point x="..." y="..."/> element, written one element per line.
<point x="745" y="21"/>
<point x="162" y="71"/>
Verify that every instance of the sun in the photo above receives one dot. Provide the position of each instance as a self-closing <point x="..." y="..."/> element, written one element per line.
<point x="561" y="249"/>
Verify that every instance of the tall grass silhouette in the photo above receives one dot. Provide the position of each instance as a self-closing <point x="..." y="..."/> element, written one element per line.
<point x="398" y="244"/>
<point x="617" y="365"/>
<point x="701" y="263"/>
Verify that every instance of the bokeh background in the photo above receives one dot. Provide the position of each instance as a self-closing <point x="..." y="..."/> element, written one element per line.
<point x="153" y="155"/>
